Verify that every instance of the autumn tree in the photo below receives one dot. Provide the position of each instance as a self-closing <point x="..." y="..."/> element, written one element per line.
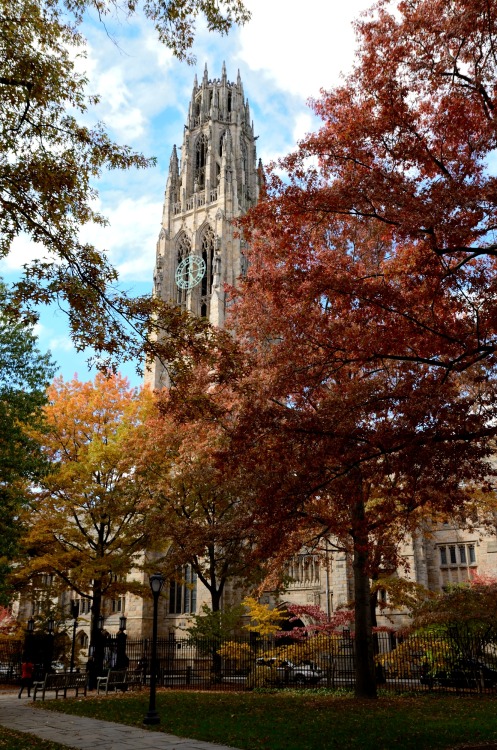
<point x="85" y="526"/>
<point x="197" y="506"/>
<point x="368" y="306"/>
<point x="24" y="375"/>
<point x="406" y="149"/>
<point x="51" y="160"/>
<point x="465" y="613"/>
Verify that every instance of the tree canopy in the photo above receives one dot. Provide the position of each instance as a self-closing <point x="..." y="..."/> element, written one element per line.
<point x="24" y="375"/>
<point x="197" y="508"/>
<point x="84" y="525"/>
<point x="50" y="161"/>
<point x="406" y="151"/>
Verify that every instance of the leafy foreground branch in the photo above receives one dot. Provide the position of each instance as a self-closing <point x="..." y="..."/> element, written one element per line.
<point x="50" y="160"/>
<point x="303" y="721"/>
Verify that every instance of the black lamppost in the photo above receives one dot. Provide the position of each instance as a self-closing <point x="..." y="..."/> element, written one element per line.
<point x="121" y="661"/>
<point x="74" y="615"/>
<point x="99" y="650"/>
<point x="156" y="584"/>
<point x="28" y="642"/>
<point x="49" y="645"/>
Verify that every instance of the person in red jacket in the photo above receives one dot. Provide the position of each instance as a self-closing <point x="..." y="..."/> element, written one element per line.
<point x="27" y="669"/>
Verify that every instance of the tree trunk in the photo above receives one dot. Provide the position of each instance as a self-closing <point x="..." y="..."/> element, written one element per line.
<point x="216" y="671"/>
<point x="364" y="666"/>
<point x="96" y="659"/>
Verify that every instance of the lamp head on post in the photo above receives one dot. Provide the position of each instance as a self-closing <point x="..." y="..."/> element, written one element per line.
<point x="74" y="609"/>
<point x="50" y="626"/>
<point x="100" y="622"/>
<point x="31" y="625"/>
<point x="156" y="583"/>
<point x="122" y="623"/>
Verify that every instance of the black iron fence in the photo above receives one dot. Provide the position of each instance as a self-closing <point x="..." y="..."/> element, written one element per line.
<point x="431" y="662"/>
<point x="11" y="650"/>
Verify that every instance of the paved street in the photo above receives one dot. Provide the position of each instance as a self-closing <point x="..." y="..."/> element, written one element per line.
<point x="86" y="734"/>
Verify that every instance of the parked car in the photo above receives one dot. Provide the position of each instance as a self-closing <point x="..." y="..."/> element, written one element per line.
<point x="9" y="671"/>
<point x="287" y="671"/>
<point x="465" y="673"/>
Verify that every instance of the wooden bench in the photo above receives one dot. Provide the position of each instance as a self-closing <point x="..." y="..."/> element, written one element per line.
<point x="119" y="679"/>
<point x="183" y="674"/>
<point x="60" y="683"/>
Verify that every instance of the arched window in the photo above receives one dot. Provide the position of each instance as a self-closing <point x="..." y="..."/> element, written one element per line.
<point x="183" y="591"/>
<point x="201" y="160"/>
<point x="208" y="244"/>
<point x="221" y="143"/>
<point x="183" y="248"/>
<point x="243" y="150"/>
<point x="244" y="177"/>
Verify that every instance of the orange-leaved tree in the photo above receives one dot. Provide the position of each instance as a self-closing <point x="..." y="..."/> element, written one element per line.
<point x="197" y="503"/>
<point x="84" y="524"/>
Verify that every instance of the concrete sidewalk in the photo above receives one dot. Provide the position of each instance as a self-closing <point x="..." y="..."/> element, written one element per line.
<point x="88" y="734"/>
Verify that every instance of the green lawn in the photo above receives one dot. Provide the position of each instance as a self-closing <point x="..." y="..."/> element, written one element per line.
<point x="10" y="740"/>
<point x="305" y="720"/>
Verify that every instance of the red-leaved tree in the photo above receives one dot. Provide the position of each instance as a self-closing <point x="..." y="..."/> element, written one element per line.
<point x="368" y="309"/>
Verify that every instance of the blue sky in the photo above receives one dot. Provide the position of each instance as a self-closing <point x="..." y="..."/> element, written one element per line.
<point x="286" y="54"/>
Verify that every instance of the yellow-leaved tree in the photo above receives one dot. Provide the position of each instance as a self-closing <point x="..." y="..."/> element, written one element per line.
<point x="84" y="525"/>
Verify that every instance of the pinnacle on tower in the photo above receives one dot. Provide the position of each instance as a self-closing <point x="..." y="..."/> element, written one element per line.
<point x="205" y="79"/>
<point x="223" y="73"/>
<point x="173" y="162"/>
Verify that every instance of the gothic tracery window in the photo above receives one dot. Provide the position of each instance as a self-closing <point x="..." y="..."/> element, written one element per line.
<point x="208" y="246"/>
<point x="304" y="570"/>
<point x="242" y="172"/>
<point x="183" y="591"/>
<point x="201" y="147"/>
<point x="183" y="248"/>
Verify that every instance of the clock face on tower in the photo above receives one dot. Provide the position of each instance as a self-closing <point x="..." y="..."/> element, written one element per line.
<point x="190" y="272"/>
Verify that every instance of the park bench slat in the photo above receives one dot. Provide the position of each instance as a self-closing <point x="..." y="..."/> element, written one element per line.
<point x="60" y="682"/>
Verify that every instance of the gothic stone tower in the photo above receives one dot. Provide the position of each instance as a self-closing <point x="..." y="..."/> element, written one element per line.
<point x="215" y="181"/>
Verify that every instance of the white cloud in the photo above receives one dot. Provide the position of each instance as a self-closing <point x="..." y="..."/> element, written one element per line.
<point x="119" y="111"/>
<point x="23" y="250"/>
<point x="60" y="344"/>
<point x="38" y="330"/>
<point x="302" y="46"/>
<point x="303" y="125"/>
<point x="130" y="237"/>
